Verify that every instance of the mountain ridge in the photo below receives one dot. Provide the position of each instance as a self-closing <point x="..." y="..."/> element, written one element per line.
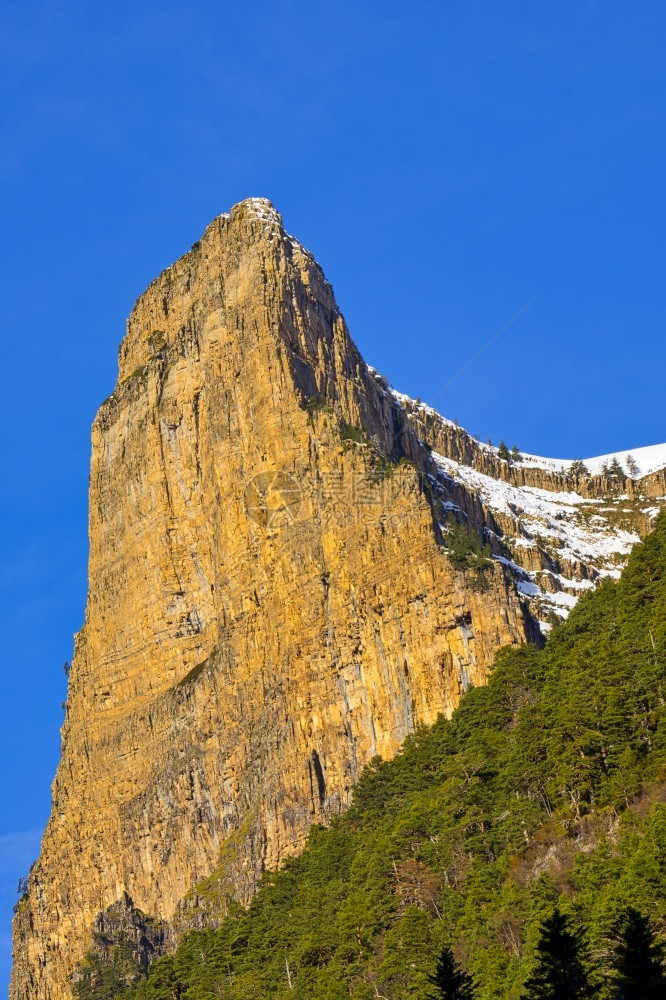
<point x="285" y="580"/>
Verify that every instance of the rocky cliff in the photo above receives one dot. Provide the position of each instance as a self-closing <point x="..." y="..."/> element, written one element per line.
<point x="563" y="525"/>
<point x="273" y="598"/>
<point x="270" y="598"/>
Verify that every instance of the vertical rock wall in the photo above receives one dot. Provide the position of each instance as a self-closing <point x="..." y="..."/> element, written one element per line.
<point x="269" y="601"/>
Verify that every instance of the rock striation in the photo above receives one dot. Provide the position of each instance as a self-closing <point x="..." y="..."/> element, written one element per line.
<point x="274" y="598"/>
<point x="271" y="602"/>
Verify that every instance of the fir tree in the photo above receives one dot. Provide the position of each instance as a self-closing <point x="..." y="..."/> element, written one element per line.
<point x="503" y="452"/>
<point x="560" y="971"/>
<point x="553" y="619"/>
<point x="450" y="981"/>
<point x="638" y="960"/>
<point x="108" y="974"/>
<point x="465" y="548"/>
<point x="515" y="454"/>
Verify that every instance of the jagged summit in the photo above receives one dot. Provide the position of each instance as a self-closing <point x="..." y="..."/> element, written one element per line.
<point x="263" y="208"/>
<point x="274" y="597"/>
<point x="258" y="208"/>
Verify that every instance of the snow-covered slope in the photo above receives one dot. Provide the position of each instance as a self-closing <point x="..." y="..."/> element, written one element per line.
<point x="560" y="542"/>
<point x="649" y="459"/>
<point x="558" y="535"/>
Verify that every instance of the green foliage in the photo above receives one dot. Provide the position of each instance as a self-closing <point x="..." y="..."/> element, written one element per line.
<point x="561" y="968"/>
<point x="313" y="405"/>
<point x="157" y="341"/>
<point x="352" y="435"/>
<point x="450" y="981"/>
<point x="383" y="467"/>
<point x="108" y="972"/>
<point x="466" y="551"/>
<point x="553" y="619"/>
<point x="632" y="466"/>
<point x="544" y="790"/>
<point x="638" y="959"/>
<point x="139" y="373"/>
<point x="615" y="470"/>
<point x="515" y="454"/>
<point x="503" y="452"/>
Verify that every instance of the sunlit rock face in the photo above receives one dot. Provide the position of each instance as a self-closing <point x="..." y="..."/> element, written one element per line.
<point x="271" y="597"/>
<point x="270" y="600"/>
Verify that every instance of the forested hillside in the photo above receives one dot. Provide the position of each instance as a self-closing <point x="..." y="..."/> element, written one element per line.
<point x="545" y="789"/>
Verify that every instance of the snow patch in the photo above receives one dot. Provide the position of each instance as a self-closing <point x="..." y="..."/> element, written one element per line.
<point x="569" y="527"/>
<point x="547" y="514"/>
<point x="423" y="407"/>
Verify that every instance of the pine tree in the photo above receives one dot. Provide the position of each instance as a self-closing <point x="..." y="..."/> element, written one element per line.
<point x="638" y="961"/>
<point x="449" y="980"/>
<point x="515" y="454"/>
<point x="632" y="466"/>
<point x="560" y="971"/>
<point x="503" y="452"/>
<point x="578" y="469"/>
<point x="616" y="471"/>
<point x="108" y="975"/>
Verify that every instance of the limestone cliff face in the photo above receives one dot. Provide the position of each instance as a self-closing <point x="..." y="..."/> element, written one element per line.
<point x="270" y="600"/>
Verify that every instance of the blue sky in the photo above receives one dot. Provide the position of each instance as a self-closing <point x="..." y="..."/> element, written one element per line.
<point x="446" y="163"/>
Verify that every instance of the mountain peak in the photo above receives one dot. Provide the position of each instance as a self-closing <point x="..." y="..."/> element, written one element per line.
<point x="262" y="208"/>
<point x="291" y="569"/>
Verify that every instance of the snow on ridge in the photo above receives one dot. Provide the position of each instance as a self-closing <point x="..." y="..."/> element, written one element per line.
<point x="546" y="513"/>
<point x="403" y="398"/>
<point x="263" y="209"/>
<point x="553" y="516"/>
<point x="649" y="458"/>
<point x="575" y="530"/>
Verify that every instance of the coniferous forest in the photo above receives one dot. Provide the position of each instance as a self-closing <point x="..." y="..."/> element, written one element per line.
<point x="516" y="852"/>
